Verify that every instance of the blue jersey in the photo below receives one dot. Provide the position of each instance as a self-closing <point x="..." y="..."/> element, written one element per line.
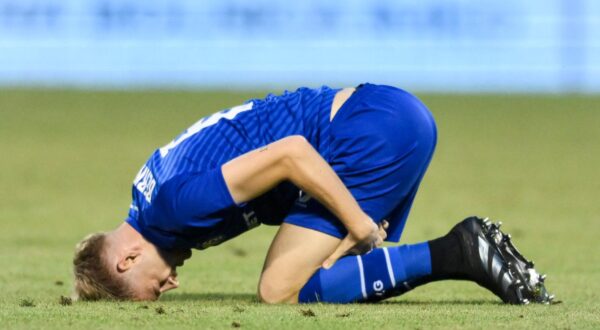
<point x="180" y="199"/>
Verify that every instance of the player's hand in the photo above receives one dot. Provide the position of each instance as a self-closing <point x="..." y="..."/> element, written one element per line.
<point x="359" y="241"/>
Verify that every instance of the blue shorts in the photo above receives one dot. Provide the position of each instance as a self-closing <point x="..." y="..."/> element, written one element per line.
<point x="381" y="142"/>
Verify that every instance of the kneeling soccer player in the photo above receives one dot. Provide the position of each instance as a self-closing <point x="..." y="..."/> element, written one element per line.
<point x="337" y="169"/>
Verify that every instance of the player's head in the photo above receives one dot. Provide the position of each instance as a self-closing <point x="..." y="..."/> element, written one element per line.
<point x="122" y="265"/>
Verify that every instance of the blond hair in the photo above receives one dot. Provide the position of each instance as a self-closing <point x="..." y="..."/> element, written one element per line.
<point x="93" y="278"/>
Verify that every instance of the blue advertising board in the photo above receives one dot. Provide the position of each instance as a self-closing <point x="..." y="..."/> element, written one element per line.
<point x="431" y="45"/>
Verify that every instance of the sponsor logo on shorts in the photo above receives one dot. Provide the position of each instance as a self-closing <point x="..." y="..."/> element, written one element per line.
<point x="303" y="199"/>
<point x="251" y="219"/>
<point x="211" y="242"/>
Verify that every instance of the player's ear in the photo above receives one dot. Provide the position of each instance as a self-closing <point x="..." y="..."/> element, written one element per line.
<point x="127" y="261"/>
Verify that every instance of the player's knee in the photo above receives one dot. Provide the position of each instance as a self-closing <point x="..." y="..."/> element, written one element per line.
<point x="275" y="292"/>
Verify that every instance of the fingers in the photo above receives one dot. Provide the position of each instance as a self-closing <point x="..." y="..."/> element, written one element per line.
<point x="383" y="226"/>
<point x="349" y="246"/>
<point x="382" y="234"/>
<point x="339" y="252"/>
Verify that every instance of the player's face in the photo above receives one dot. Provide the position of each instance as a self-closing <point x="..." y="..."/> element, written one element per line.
<point x="155" y="272"/>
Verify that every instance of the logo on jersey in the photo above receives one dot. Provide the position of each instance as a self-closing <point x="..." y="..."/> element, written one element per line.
<point x="144" y="182"/>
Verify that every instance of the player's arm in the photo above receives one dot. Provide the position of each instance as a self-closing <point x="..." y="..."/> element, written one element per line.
<point x="293" y="158"/>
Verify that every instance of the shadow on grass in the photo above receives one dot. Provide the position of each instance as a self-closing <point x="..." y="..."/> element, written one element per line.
<point x="212" y="297"/>
<point x="441" y="302"/>
<point x="251" y="298"/>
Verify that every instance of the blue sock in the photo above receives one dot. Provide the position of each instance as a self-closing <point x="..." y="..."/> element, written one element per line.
<point x="366" y="277"/>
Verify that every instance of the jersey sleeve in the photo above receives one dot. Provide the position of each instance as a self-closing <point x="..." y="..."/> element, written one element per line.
<point x="195" y="195"/>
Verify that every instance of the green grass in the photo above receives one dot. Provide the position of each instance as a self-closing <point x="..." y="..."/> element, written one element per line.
<point x="68" y="158"/>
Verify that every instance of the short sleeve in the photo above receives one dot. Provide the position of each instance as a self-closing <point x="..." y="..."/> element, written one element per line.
<point x="195" y="194"/>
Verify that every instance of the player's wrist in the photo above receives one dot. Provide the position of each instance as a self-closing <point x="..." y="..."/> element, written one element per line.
<point x="364" y="229"/>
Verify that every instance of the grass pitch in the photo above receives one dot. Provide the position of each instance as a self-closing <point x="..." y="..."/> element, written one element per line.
<point x="68" y="159"/>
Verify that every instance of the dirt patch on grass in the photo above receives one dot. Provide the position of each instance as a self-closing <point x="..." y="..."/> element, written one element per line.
<point x="308" y="313"/>
<point x="65" y="301"/>
<point x="238" y="252"/>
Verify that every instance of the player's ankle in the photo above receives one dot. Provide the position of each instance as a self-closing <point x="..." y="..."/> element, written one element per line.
<point x="447" y="260"/>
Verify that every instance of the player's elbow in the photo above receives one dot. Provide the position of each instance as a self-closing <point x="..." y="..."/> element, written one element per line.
<point x="296" y="150"/>
<point x="297" y="146"/>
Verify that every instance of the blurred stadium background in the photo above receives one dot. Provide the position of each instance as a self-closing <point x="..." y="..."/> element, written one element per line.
<point x="89" y="88"/>
<point x="429" y="45"/>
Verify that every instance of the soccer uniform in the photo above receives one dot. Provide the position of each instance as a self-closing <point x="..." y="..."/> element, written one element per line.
<point x="379" y="143"/>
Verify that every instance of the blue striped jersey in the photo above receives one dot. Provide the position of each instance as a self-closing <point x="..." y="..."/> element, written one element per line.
<point x="179" y="196"/>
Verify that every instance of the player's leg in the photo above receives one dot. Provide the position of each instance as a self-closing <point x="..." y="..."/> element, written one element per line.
<point x="473" y="250"/>
<point x="294" y="256"/>
<point x="470" y="251"/>
<point x="292" y="270"/>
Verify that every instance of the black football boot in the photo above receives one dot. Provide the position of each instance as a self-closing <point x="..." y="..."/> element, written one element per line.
<point x="492" y="261"/>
